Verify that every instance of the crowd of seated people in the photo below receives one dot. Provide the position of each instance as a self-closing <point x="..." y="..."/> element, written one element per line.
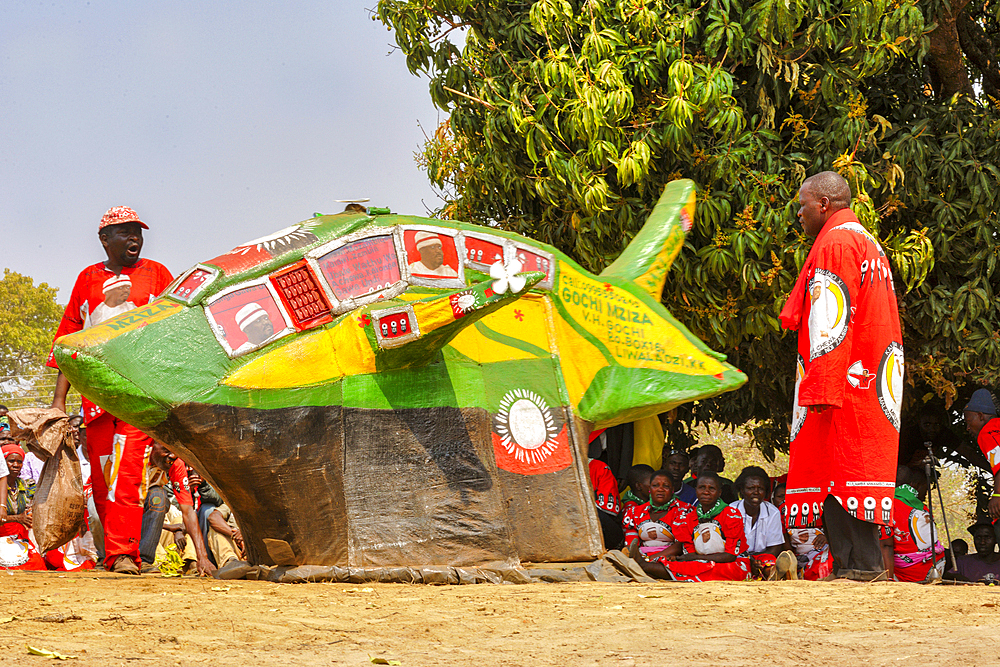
<point x="177" y="501"/>
<point x="709" y="537"/>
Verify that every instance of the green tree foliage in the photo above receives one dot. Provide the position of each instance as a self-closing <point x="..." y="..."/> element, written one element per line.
<point x="567" y="117"/>
<point x="29" y="316"/>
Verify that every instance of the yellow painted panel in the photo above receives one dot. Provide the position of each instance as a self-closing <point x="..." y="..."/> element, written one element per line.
<point x="653" y="279"/>
<point x="525" y="320"/>
<point x="433" y="314"/>
<point x="578" y="357"/>
<point x="310" y="358"/>
<point x="635" y="334"/>
<point x="130" y="321"/>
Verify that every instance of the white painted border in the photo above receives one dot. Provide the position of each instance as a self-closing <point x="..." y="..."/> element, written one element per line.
<point x="506" y="246"/>
<point x="340" y="307"/>
<point x="212" y="271"/>
<point x="217" y="328"/>
<point x="550" y="275"/>
<point x="398" y="341"/>
<point x="440" y="283"/>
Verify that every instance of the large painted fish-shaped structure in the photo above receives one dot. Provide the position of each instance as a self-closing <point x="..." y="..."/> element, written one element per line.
<point x="376" y="390"/>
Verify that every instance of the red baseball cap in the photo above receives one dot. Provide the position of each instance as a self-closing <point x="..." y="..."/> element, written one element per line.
<point x="119" y="215"/>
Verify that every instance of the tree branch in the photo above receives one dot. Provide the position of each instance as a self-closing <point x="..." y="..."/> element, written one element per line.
<point x="981" y="52"/>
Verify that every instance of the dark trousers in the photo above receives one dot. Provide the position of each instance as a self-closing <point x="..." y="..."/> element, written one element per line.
<point x="154" y="511"/>
<point x="611" y="528"/>
<point x="204" y="512"/>
<point x="854" y="543"/>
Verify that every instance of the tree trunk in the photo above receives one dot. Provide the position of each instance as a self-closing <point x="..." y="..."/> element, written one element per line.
<point x="946" y="52"/>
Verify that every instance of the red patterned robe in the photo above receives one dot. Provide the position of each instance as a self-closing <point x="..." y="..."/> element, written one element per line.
<point x="911" y="540"/>
<point x="989" y="443"/>
<point x="656" y="535"/>
<point x="850" y="356"/>
<point x="729" y="523"/>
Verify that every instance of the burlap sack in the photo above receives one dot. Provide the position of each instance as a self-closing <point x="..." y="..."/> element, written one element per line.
<point x="59" y="504"/>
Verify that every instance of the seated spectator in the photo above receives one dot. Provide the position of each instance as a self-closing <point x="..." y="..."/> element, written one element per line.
<point x="811" y="549"/>
<point x="608" y="507"/>
<point x="637" y="493"/>
<point x="709" y="544"/>
<point x="226" y="547"/>
<point x="17" y="552"/>
<point x="761" y="519"/>
<point x="778" y="495"/>
<point x="709" y="459"/>
<point x="913" y="558"/>
<point x="718" y="548"/>
<point x="677" y="463"/>
<point x="656" y="529"/>
<point x="223" y="539"/>
<point x="164" y="469"/>
<point x="984" y="565"/>
<point x="959" y="547"/>
<point x="4" y="420"/>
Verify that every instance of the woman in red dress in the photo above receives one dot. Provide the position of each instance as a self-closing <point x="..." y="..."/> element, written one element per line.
<point x="16" y="550"/>
<point x="656" y="530"/>
<point x="716" y="550"/>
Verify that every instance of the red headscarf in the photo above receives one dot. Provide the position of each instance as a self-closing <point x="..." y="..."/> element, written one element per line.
<point x="12" y="448"/>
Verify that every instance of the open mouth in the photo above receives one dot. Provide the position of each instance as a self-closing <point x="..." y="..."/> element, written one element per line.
<point x="132" y="249"/>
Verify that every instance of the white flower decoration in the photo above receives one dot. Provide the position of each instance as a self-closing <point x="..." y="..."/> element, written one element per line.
<point x="505" y="277"/>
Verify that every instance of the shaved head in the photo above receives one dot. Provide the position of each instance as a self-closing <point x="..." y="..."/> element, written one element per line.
<point x="831" y="185"/>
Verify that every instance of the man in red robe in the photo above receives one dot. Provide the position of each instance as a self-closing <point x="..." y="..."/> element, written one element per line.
<point x="848" y="381"/>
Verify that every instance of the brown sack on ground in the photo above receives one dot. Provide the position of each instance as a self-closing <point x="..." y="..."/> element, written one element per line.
<point x="59" y="503"/>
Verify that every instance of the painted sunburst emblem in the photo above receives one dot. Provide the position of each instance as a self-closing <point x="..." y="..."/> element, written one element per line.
<point x="526" y="427"/>
<point x="280" y="242"/>
<point x="465" y="301"/>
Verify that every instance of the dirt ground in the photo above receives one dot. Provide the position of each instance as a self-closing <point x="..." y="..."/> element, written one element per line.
<point x="116" y="620"/>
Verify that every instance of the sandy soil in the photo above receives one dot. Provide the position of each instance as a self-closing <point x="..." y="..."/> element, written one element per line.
<point x="115" y="620"/>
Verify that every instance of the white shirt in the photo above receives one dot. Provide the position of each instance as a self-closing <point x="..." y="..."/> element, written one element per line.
<point x="32" y="467"/>
<point x="420" y="269"/>
<point x="766" y="532"/>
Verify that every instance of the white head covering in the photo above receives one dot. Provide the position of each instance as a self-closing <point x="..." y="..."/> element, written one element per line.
<point x="426" y="238"/>
<point x="248" y="314"/>
<point x="116" y="281"/>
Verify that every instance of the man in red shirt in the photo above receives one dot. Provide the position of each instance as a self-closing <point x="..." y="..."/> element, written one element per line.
<point x="121" y="283"/>
<point x="981" y="421"/>
<point x="166" y="471"/>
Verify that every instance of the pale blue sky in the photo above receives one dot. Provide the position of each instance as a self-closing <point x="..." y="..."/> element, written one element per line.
<point x="217" y="122"/>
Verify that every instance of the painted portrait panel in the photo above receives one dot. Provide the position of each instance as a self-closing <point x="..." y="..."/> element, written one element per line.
<point x="432" y="257"/>
<point x="247" y="319"/>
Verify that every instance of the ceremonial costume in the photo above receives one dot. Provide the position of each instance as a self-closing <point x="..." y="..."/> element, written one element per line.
<point x="675" y="521"/>
<point x="606" y="497"/>
<point x="815" y="562"/>
<point x="989" y="443"/>
<point x="911" y="537"/>
<point x="850" y="356"/>
<point x="605" y="487"/>
<point x="114" y="447"/>
<point x="716" y="531"/>
<point x="629" y="501"/>
<point x="17" y="551"/>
